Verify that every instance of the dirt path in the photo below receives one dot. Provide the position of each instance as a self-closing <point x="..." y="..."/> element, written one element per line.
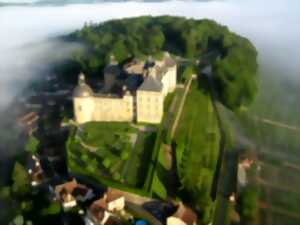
<point x="276" y="123"/>
<point x="186" y="90"/>
<point x="168" y="156"/>
<point x="274" y="209"/>
<point x="170" y="113"/>
<point x="266" y="183"/>
<point x="292" y="166"/>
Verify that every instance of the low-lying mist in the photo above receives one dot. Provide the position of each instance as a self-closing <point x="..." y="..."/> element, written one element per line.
<point x="19" y="65"/>
<point x="272" y="25"/>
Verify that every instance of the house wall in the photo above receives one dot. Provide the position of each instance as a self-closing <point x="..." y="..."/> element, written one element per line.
<point x="117" y="205"/>
<point x="149" y="106"/>
<point x="175" y="221"/>
<point x="83" y="109"/>
<point x="68" y="205"/>
<point x="113" y="109"/>
<point x="103" y="109"/>
<point x="169" y="80"/>
<point x="172" y="78"/>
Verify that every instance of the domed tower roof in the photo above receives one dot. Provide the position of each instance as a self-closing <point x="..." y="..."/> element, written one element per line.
<point x="82" y="90"/>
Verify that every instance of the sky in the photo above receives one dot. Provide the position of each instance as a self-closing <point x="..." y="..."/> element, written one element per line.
<point x="19" y="1"/>
<point x="272" y="25"/>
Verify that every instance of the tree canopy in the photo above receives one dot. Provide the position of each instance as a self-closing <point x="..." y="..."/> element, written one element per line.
<point x="32" y="145"/>
<point x="234" y="70"/>
<point x="21" y="183"/>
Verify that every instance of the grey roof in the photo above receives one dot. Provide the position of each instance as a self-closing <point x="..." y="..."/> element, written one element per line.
<point x="160" y="72"/>
<point x="169" y="61"/>
<point x="83" y="90"/>
<point x="207" y="70"/>
<point x="151" y="84"/>
<point x="112" y="69"/>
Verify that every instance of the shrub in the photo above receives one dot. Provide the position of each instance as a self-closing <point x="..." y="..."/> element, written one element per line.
<point x="106" y="163"/>
<point x="124" y="155"/>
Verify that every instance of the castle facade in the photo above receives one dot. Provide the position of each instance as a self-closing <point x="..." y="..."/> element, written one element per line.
<point x="134" y="94"/>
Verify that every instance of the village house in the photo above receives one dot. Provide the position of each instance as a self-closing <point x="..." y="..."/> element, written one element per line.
<point x="35" y="171"/>
<point x="134" y="94"/>
<point x="246" y="159"/>
<point x="101" y="212"/>
<point x="115" y="200"/>
<point x="183" y="216"/>
<point x="29" y="122"/>
<point x="97" y="214"/>
<point x="71" y="192"/>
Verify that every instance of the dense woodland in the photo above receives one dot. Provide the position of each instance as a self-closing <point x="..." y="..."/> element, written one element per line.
<point x="234" y="70"/>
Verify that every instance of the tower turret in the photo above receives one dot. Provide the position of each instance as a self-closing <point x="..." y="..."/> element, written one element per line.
<point x="83" y="101"/>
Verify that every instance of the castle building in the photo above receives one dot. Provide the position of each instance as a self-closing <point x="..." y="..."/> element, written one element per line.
<point x="134" y="94"/>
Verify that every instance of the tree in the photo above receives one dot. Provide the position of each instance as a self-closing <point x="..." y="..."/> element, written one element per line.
<point x="248" y="203"/>
<point x="53" y="208"/>
<point x="21" y="183"/>
<point x="32" y="145"/>
<point x="18" y="220"/>
<point x="120" y="51"/>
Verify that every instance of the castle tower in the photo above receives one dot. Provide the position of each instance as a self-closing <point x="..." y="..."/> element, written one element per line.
<point x="111" y="73"/>
<point x="83" y="101"/>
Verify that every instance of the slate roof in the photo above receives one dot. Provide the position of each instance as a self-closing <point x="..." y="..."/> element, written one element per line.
<point x="186" y="214"/>
<point x="83" y="90"/>
<point x="113" y="195"/>
<point x="151" y="84"/>
<point x="169" y="61"/>
<point x="97" y="209"/>
<point x="112" y="70"/>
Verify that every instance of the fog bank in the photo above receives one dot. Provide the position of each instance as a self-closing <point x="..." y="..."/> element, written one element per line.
<point x="272" y="25"/>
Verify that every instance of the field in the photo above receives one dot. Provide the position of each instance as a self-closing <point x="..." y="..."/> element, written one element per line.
<point x="111" y="151"/>
<point x="270" y="127"/>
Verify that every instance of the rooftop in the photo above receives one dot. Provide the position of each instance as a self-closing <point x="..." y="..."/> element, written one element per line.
<point x="186" y="214"/>
<point x="151" y="84"/>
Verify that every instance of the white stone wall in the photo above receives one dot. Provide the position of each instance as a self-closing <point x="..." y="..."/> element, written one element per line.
<point x="169" y="80"/>
<point x="117" y="205"/>
<point x="149" y="106"/>
<point x="83" y="109"/>
<point x="175" y="221"/>
<point x="113" y="109"/>
<point x="172" y="78"/>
